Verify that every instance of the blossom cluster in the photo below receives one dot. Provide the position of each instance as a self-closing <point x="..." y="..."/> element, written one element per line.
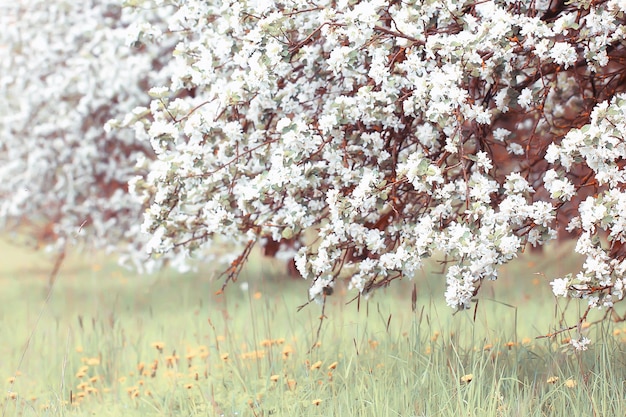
<point x="599" y="146"/>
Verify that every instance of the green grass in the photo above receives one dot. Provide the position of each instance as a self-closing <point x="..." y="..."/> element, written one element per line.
<point x="109" y="343"/>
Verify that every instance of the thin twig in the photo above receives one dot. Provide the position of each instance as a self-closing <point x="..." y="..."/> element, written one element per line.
<point x="319" y="328"/>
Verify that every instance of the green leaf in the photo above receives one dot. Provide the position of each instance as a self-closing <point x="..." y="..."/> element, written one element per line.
<point x="287" y="233"/>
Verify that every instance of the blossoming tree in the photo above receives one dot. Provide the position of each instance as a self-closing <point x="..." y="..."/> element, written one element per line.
<point x="363" y="136"/>
<point x="65" y="69"/>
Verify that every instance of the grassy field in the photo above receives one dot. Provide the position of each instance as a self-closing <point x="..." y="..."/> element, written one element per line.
<point x="105" y="342"/>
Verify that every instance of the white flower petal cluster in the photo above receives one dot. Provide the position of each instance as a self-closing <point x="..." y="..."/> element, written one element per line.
<point x="580" y="344"/>
<point x="600" y="148"/>
<point x="391" y="131"/>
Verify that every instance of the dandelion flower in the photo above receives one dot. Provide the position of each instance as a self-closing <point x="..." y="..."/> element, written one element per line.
<point x="203" y="352"/>
<point x="158" y="346"/>
<point x="570" y="383"/>
<point x="172" y="360"/>
<point x="93" y="361"/>
<point x="82" y="386"/>
<point x="316" y="401"/>
<point x="133" y="391"/>
<point x="510" y="345"/>
<point x="332" y="365"/>
<point x="316" y="365"/>
<point x="552" y="380"/>
<point x="466" y="379"/>
<point x="274" y="378"/>
<point x="287" y="350"/>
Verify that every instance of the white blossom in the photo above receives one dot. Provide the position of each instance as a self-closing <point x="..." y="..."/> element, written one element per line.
<point x="563" y="54"/>
<point x="580" y="344"/>
<point x="525" y="99"/>
<point x="560" y="287"/>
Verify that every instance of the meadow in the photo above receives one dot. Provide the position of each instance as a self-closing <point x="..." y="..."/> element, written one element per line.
<point x="106" y="342"/>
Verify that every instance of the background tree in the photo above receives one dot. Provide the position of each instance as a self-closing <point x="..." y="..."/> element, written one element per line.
<point x="66" y="68"/>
